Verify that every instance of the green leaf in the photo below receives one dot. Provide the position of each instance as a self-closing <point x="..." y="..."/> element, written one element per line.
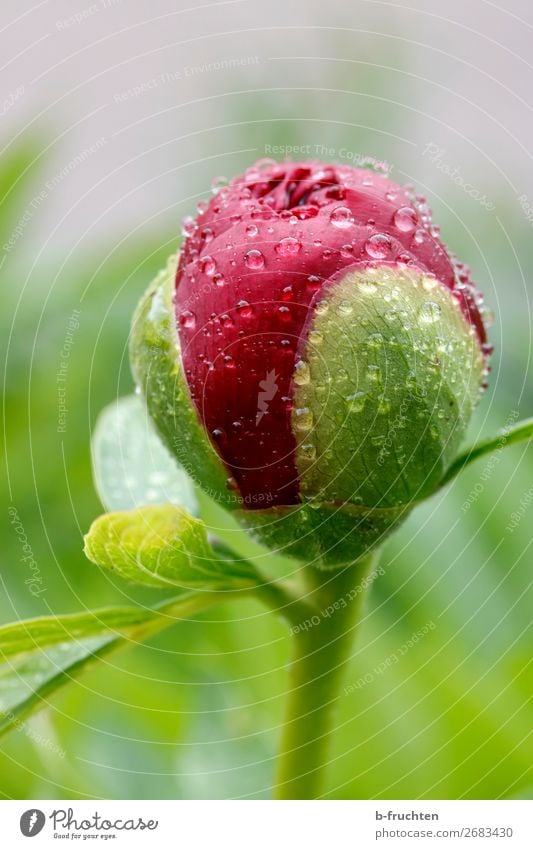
<point x="162" y="546"/>
<point x="131" y="465"/>
<point x="39" y="656"/>
<point x="520" y="432"/>
<point x="25" y="636"/>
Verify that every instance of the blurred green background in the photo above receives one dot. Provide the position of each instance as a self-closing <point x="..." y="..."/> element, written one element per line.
<point x="194" y="713"/>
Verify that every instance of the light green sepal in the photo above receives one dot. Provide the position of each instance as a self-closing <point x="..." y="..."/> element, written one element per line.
<point x="385" y="388"/>
<point x="157" y="369"/>
<point x="326" y="536"/>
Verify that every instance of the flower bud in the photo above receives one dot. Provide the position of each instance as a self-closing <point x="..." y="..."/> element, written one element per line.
<point x="314" y="359"/>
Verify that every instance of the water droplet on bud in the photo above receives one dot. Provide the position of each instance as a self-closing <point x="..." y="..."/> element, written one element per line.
<point x="244" y="309"/>
<point x="187" y="319"/>
<point x="430" y="312"/>
<point x="188" y="226"/>
<point x="378" y="246"/>
<point x="208" y="265"/>
<point x="303" y="419"/>
<point x="315" y="337"/>
<point x="405" y="219"/>
<point x="341" y="217"/>
<point x="218" y="183"/>
<point x="301" y="373"/>
<point x="367" y="287"/>
<point x="308" y="452"/>
<point x="254" y="259"/>
<point x="356" y="402"/>
<point x="375" y="340"/>
<point x="288" y="247"/>
<point x="285" y="314"/>
<point x="383" y="405"/>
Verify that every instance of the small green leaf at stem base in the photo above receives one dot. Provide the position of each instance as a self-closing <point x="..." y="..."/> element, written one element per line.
<point x="162" y="546"/>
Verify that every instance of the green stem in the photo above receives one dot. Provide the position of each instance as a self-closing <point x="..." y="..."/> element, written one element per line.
<point x="321" y="650"/>
<point x="511" y="435"/>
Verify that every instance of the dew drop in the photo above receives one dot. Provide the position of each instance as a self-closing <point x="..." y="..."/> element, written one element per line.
<point x="356" y="402"/>
<point x="378" y="246"/>
<point x="303" y="419"/>
<point x="405" y="219"/>
<point x="218" y="183"/>
<point x="430" y="312"/>
<point x="315" y="337"/>
<point x="288" y="247"/>
<point x="244" y="309"/>
<point x="341" y="217"/>
<point x="208" y="265"/>
<point x="429" y="283"/>
<point x="252" y="230"/>
<point x="488" y="316"/>
<point x="373" y="373"/>
<point x="419" y="237"/>
<point x="287" y="293"/>
<point x="301" y="373"/>
<point x="375" y="340"/>
<point x="254" y="259"/>
<point x="187" y="319"/>
<point x="188" y="226"/>
<point x="308" y="451"/>
<point x="383" y="405"/>
<point x="345" y="308"/>
<point x="313" y="283"/>
<point x="285" y="314"/>
<point x="367" y="287"/>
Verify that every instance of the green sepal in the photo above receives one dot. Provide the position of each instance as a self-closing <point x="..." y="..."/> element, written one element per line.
<point x="388" y="378"/>
<point x="326" y="536"/>
<point x="157" y="369"/>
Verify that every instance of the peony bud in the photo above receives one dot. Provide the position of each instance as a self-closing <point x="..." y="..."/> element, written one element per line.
<point x="314" y="360"/>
